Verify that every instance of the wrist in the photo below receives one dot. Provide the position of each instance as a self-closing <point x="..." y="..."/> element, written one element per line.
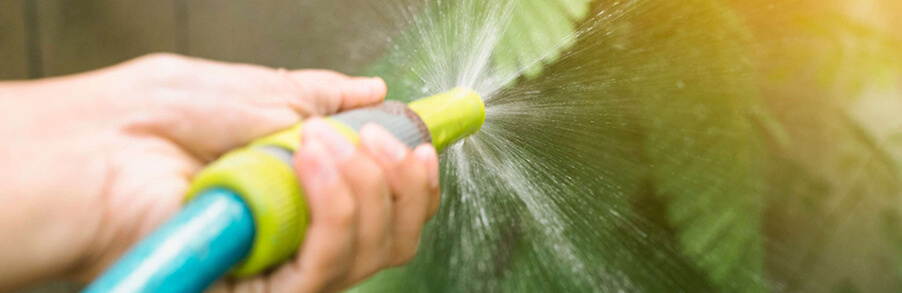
<point x="48" y="216"/>
<point x="48" y="232"/>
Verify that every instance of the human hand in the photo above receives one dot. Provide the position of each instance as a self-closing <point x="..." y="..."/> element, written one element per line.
<point x="94" y="162"/>
<point x="368" y="202"/>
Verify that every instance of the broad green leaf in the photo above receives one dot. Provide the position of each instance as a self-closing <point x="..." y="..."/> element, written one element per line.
<point x="538" y="32"/>
<point x="705" y="155"/>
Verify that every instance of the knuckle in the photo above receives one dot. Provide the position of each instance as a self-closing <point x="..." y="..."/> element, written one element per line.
<point x="413" y="171"/>
<point x="163" y="65"/>
<point x="333" y="98"/>
<point x="159" y="59"/>
<point x="344" y="213"/>
<point x="377" y="180"/>
<point x="368" y="174"/>
<point x="326" y="98"/>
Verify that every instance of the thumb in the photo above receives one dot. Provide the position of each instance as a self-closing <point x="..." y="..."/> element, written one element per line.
<point x="214" y="107"/>
<point x="328" y="92"/>
<point x="207" y="128"/>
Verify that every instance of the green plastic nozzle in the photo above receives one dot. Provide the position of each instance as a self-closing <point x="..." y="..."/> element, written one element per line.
<point x="451" y="116"/>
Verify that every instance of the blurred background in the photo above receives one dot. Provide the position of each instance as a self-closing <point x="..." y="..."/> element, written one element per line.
<point x="57" y="37"/>
<point x="757" y="144"/>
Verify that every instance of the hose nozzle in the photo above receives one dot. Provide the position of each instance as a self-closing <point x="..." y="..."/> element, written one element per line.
<point x="451" y="116"/>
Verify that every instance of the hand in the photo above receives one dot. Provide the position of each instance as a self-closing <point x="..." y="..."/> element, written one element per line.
<point x="369" y="204"/>
<point x="94" y="162"/>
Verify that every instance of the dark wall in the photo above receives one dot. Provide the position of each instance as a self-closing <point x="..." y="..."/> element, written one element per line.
<point x="13" y="63"/>
<point x="43" y="38"/>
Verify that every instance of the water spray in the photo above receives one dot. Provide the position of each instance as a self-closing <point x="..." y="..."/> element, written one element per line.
<point x="246" y="212"/>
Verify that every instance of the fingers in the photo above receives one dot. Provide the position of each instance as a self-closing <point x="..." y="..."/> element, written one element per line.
<point x="367" y="182"/>
<point x="428" y="155"/>
<point x="413" y="177"/>
<point x="328" y="250"/>
<point x="367" y="212"/>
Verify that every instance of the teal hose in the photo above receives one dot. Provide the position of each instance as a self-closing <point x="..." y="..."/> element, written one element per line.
<point x="187" y="254"/>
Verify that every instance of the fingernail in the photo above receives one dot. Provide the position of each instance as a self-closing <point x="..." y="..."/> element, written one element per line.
<point x="426" y="154"/>
<point x="383" y="144"/>
<point x="322" y="171"/>
<point x="335" y="144"/>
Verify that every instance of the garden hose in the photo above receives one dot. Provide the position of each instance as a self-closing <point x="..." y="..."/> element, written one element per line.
<point x="246" y="212"/>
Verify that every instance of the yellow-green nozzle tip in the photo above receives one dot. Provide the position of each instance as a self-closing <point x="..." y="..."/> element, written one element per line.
<point x="451" y="116"/>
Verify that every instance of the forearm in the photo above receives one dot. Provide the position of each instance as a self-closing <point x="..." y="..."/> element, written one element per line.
<point x="44" y="220"/>
<point x="38" y="243"/>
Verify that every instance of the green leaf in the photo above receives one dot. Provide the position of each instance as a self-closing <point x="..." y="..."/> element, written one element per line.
<point x="705" y="156"/>
<point x="548" y="28"/>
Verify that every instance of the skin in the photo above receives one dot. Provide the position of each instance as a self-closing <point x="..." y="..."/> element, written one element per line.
<point x="92" y="163"/>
